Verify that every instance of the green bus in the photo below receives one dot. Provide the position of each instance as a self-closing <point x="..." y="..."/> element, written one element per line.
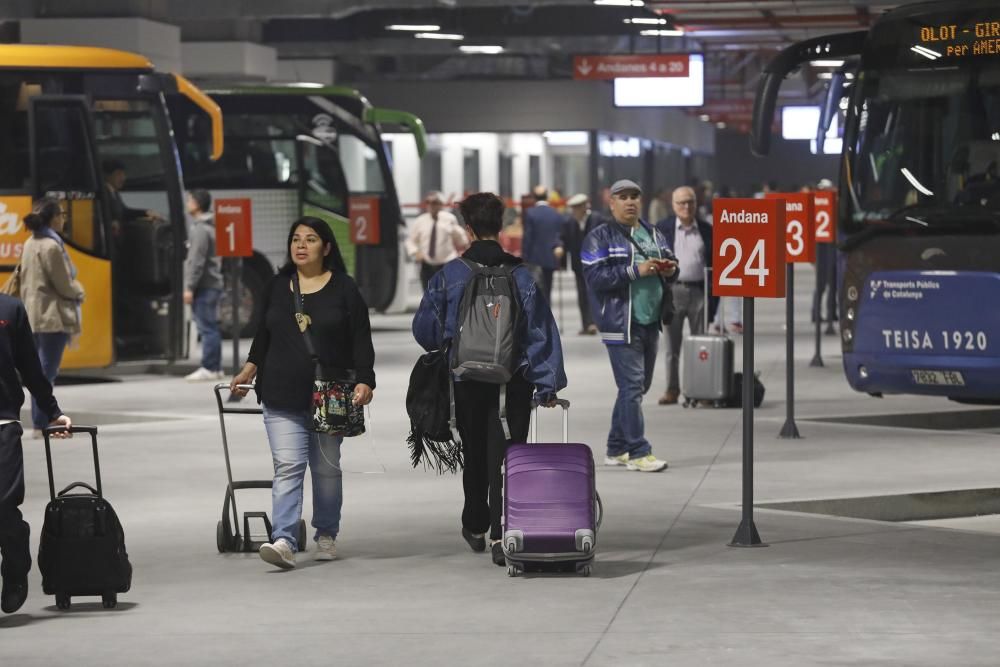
<point x="302" y="149"/>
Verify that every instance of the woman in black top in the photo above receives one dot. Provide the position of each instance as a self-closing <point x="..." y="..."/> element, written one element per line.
<point x="284" y="373"/>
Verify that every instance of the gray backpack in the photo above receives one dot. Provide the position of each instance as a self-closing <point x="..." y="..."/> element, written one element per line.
<point x="485" y="348"/>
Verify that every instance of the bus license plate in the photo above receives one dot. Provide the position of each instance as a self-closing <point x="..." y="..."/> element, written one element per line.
<point x="946" y="378"/>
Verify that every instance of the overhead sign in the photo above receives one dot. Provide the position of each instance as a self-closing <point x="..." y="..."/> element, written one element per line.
<point x="591" y="68"/>
<point x="747" y="252"/>
<point x="13" y="233"/>
<point x="825" y="210"/>
<point x="365" y="224"/>
<point x="800" y="226"/>
<point x="233" y="228"/>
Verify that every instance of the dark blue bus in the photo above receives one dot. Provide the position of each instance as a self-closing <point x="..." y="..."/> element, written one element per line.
<point x="919" y="214"/>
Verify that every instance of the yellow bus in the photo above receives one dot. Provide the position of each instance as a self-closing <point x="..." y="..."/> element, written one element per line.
<point x="75" y="122"/>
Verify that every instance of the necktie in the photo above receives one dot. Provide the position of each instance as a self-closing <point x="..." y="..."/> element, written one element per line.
<point x="432" y="250"/>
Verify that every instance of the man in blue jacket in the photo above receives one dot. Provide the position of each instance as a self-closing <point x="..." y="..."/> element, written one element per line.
<point x="477" y="404"/>
<point x="18" y="363"/>
<point x="626" y="263"/>
<point x="543" y="228"/>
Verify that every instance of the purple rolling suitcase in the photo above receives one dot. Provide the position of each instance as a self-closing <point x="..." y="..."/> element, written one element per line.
<point x="551" y="506"/>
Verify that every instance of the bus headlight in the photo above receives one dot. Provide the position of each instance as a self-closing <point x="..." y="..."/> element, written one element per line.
<point x="848" y="335"/>
<point x="852" y="293"/>
<point x="863" y="372"/>
<point x="850" y="314"/>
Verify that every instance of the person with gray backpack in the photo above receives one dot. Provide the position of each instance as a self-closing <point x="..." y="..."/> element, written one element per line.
<point x="504" y="351"/>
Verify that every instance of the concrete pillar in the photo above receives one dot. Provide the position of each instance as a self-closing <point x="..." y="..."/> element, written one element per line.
<point x="160" y="42"/>
<point x="230" y="60"/>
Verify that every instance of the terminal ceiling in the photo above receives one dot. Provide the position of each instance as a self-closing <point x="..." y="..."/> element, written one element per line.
<point x="539" y="38"/>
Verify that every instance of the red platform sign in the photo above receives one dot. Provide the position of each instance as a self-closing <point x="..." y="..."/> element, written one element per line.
<point x="800" y="226"/>
<point x="747" y="253"/>
<point x="233" y="228"/>
<point x="365" y="224"/>
<point x="825" y="207"/>
<point x="591" y="68"/>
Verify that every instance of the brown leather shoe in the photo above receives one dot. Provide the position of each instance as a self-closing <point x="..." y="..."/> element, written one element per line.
<point x="669" y="398"/>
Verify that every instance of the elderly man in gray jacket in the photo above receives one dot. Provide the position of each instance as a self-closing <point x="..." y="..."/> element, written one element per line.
<point x="203" y="285"/>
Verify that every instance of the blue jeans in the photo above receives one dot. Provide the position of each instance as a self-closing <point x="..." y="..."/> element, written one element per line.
<point x="205" y="310"/>
<point x="293" y="445"/>
<point x="632" y="366"/>
<point x="50" y="352"/>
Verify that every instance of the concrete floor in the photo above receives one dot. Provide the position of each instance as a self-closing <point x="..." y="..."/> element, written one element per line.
<point x="665" y="590"/>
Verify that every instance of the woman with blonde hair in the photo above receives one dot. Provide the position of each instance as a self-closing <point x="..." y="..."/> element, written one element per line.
<point x="51" y="293"/>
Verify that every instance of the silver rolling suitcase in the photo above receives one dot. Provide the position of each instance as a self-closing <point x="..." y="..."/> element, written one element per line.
<point x="707" y="363"/>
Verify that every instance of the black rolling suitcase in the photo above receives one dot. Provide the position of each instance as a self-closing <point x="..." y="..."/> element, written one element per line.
<point x="82" y="549"/>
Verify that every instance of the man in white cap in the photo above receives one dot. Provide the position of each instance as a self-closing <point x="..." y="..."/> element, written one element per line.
<point x="434" y="238"/>
<point x="628" y="265"/>
<point x="580" y="221"/>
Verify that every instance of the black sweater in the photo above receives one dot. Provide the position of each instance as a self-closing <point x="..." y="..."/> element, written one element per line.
<point x="341" y="334"/>
<point x="18" y="355"/>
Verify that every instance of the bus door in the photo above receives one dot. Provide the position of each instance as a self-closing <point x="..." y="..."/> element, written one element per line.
<point x="62" y="153"/>
<point x="148" y="228"/>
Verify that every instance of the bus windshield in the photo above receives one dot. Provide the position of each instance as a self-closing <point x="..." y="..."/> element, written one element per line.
<point x="284" y="151"/>
<point x="926" y="149"/>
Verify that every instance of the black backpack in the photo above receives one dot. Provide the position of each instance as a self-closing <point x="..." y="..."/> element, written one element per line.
<point x="82" y="547"/>
<point x="735" y="399"/>
<point x="433" y="438"/>
<point x="486" y="343"/>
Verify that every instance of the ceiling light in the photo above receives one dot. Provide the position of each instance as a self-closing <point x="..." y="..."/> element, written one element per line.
<point x="704" y="118"/>
<point x="486" y="49"/>
<point x="413" y="28"/>
<point x="827" y="63"/>
<point x="439" y="35"/>
<point x="662" y="33"/>
<point x="720" y="125"/>
<point x="647" y="21"/>
<point x="620" y="3"/>
<point x="825" y="75"/>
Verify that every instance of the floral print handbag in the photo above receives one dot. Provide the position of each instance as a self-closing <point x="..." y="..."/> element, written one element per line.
<point x="333" y="408"/>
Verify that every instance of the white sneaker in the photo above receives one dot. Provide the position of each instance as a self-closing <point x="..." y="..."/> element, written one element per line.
<point x="203" y="375"/>
<point x="326" y="548"/>
<point x="279" y="553"/>
<point x="648" y="463"/>
<point x="621" y="460"/>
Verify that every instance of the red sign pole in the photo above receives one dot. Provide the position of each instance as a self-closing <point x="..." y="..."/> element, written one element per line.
<point x="800" y="247"/>
<point x="747" y="248"/>
<point x="824" y="209"/>
<point x="234" y="239"/>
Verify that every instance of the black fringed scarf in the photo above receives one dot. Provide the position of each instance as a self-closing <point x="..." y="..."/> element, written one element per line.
<point x="433" y="438"/>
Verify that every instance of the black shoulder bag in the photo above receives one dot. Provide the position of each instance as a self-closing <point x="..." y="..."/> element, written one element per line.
<point x="333" y="408"/>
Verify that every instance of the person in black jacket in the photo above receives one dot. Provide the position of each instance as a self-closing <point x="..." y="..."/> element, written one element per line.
<point x="338" y="324"/>
<point x="579" y="223"/>
<point x="17" y="356"/>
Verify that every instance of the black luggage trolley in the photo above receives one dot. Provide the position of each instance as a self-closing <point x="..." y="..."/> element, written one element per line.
<point x="227" y="533"/>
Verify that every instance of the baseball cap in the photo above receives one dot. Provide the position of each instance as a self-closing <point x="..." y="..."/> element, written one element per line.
<point x="825" y="184"/>
<point x="623" y="185"/>
<point x="577" y="200"/>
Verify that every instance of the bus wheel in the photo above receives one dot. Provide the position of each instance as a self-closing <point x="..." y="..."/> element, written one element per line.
<point x="256" y="273"/>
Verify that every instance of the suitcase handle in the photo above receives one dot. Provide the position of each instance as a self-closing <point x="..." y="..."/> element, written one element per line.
<point x="76" y="485"/>
<point x="223" y="410"/>
<point x="533" y="430"/>
<point x="48" y="433"/>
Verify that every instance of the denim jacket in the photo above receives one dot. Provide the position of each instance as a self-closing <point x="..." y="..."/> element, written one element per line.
<point x="540" y="347"/>
<point x="609" y="269"/>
